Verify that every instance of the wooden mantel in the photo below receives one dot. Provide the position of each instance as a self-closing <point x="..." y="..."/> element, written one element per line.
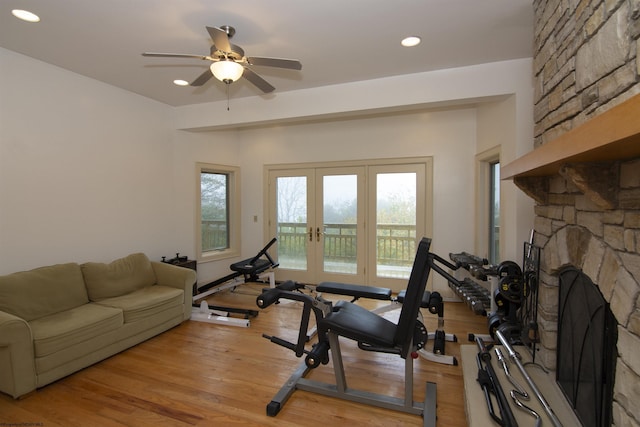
<point x="612" y="135"/>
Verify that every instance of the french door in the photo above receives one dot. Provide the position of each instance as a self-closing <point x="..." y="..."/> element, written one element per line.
<point x="355" y="223"/>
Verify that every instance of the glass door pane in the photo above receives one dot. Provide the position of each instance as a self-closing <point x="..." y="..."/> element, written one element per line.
<point x="399" y="216"/>
<point x="494" y="214"/>
<point x="396" y="224"/>
<point x="352" y="224"/>
<point x="400" y="213"/>
<point x="291" y="218"/>
<point x="340" y="213"/>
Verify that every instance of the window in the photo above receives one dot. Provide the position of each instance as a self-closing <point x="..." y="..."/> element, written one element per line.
<point x="494" y="212"/>
<point x="488" y="209"/>
<point x="218" y="213"/>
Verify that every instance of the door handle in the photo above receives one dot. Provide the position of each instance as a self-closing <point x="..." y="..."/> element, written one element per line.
<point x="311" y="234"/>
<point x="318" y="233"/>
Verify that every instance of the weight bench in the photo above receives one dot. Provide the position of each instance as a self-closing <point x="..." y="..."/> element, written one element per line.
<point x="371" y="331"/>
<point x="430" y="300"/>
<point x="245" y="271"/>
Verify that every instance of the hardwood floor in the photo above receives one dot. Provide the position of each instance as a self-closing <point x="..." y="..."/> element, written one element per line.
<point x="208" y="375"/>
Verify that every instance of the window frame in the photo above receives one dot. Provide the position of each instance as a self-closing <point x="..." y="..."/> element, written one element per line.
<point x="424" y="208"/>
<point x="233" y="212"/>
<point x="493" y="247"/>
<point x="484" y="198"/>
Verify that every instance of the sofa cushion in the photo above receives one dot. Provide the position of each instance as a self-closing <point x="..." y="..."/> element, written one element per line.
<point x="146" y="302"/>
<point x="61" y="330"/>
<point x="120" y="277"/>
<point x="43" y="291"/>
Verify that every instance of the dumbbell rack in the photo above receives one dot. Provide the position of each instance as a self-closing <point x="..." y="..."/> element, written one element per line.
<point x="475" y="295"/>
<point x="474" y="286"/>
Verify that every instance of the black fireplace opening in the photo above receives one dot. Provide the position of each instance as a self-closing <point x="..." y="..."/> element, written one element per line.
<point x="586" y="348"/>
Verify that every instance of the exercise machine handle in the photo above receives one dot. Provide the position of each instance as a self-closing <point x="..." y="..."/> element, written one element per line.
<point x="318" y="354"/>
<point x="280" y="341"/>
<point x="438" y="269"/>
<point x="268" y="297"/>
<point x="271" y="296"/>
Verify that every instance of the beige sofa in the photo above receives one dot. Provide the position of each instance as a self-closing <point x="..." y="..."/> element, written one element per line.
<point x="58" y="319"/>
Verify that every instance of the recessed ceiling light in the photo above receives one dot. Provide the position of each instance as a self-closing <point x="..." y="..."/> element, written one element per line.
<point x="410" y="41"/>
<point x="181" y="82"/>
<point x="25" y="15"/>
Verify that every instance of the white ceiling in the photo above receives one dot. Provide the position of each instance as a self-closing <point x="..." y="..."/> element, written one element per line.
<point x="337" y="41"/>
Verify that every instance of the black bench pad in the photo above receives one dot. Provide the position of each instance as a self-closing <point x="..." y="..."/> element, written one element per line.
<point x="359" y="324"/>
<point x="356" y="291"/>
<point x="247" y="267"/>
<point x="426" y="298"/>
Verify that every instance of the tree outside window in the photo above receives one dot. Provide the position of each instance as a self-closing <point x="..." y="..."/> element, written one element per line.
<point x="218" y="233"/>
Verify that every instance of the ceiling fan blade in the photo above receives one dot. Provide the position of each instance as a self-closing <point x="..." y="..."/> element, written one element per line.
<point x="175" y="55"/>
<point x="202" y="79"/>
<point x="291" y="64"/>
<point x="258" y="81"/>
<point x="220" y="39"/>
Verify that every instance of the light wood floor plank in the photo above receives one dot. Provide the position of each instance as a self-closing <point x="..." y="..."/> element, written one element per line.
<point x="200" y="374"/>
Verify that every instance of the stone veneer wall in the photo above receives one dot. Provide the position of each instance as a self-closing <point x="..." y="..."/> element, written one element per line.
<point x="586" y="60"/>
<point x="604" y="243"/>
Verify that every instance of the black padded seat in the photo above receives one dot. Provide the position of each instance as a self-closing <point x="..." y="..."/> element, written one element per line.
<point x="250" y="265"/>
<point x="356" y="291"/>
<point x="364" y="326"/>
<point x="359" y="324"/>
<point x="426" y="298"/>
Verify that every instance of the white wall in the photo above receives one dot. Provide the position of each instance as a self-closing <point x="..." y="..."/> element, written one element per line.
<point x="435" y="89"/>
<point x="447" y="135"/>
<point x="92" y="172"/>
<point x="85" y="169"/>
<point x="330" y="123"/>
<point x="498" y="127"/>
<point x="221" y="147"/>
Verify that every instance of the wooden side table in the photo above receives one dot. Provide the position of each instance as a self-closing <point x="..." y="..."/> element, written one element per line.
<point x="186" y="263"/>
<point x="182" y="262"/>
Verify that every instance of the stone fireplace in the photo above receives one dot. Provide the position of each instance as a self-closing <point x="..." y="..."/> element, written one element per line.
<point x="573" y="229"/>
<point x="584" y="171"/>
<point x="586" y="351"/>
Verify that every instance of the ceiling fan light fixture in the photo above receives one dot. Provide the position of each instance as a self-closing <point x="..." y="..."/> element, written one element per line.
<point x="227" y="71"/>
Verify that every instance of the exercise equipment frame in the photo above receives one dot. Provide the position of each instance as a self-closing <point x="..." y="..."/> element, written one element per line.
<point x="430" y="300"/>
<point x="248" y="270"/>
<point x="372" y="333"/>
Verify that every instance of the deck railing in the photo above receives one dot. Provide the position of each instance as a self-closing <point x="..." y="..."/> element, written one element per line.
<point x="214" y="235"/>
<point x="395" y="244"/>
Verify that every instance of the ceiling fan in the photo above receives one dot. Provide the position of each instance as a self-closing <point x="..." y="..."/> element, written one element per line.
<point x="229" y="62"/>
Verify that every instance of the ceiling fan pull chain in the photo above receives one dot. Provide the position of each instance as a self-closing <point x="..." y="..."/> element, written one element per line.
<point x="227" y="96"/>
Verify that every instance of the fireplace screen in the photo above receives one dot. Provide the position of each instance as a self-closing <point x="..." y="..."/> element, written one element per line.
<point x="586" y="351"/>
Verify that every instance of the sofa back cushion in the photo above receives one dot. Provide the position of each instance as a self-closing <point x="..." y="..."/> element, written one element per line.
<point x="120" y="277"/>
<point x="43" y="291"/>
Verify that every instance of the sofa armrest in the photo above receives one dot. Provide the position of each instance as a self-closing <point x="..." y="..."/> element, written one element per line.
<point x="177" y="277"/>
<point x="17" y="360"/>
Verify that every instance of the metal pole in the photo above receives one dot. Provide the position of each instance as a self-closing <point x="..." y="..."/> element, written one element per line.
<point x="514" y="356"/>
